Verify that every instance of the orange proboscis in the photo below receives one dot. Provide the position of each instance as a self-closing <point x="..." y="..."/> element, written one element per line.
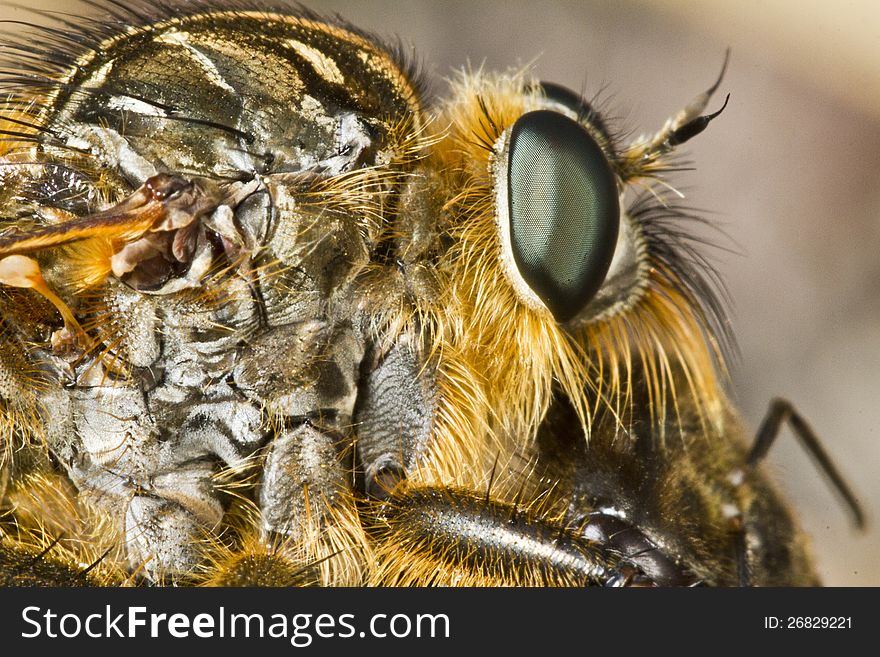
<point x="126" y="222"/>
<point x="22" y="271"/>
<point x="127" y="225"/>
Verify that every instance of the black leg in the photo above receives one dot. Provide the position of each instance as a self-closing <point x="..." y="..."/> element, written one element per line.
<point x="781" y="411"/>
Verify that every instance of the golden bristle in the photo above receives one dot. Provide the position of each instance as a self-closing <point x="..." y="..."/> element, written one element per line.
<point x="364" y="193"/>
<point x="332" y="550"/>
<point x="240" y="557"/>
<point x="256" y="564"/>
<point x="464" y="442"/>
<point x="336" y="542"/>
<point x="330" y="537"/>
<point x="434" y="535"/>
<point x="19" y="117"/>
<point x="88" y="262"/>
<point x="45" y="514"/>
<point x="519" y="352"/>
<point x="21" y="409"/>
<point x="516" y="354"/>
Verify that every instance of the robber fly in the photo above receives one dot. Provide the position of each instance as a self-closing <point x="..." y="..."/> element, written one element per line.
<point x="273" y="315"/>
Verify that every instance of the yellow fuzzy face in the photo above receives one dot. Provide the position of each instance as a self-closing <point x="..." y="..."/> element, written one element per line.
<point x="285" y="319"/>
<point x="624" y="297"/>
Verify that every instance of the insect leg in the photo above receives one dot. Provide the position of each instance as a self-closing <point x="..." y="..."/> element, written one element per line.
<point x="759" y="521"/>
<point x="782" y="411"/>
<point x="165" y="533"/>
<point x="305" y="499"/>
<point x="304" y="376"/>
<point x="393" y="417"/>
<point x="438" y="535"/>
<point x="24" y="567"/>
<point x="152" y="464"/>
<point x="49" y="537"/>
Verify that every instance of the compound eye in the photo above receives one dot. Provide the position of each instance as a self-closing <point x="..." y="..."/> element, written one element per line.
<point x="564" y="211"/>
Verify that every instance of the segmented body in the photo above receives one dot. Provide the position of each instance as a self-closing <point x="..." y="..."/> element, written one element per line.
<point x="317" y="357"/>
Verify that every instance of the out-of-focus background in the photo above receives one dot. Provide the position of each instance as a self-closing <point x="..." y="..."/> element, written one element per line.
<point x="791" y="172"/>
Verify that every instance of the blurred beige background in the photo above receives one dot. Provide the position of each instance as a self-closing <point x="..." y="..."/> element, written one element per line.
<point x="791" y="172"/>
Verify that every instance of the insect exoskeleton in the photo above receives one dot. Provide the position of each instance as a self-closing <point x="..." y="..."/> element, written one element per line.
<point x="273" y="315"/>
<point x="198" y="195"/>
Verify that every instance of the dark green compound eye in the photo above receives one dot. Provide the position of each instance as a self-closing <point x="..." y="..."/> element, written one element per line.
<point x="564" y="210"/>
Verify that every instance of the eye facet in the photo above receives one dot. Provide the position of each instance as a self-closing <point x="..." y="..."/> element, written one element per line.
<point x="563" y="208"/>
